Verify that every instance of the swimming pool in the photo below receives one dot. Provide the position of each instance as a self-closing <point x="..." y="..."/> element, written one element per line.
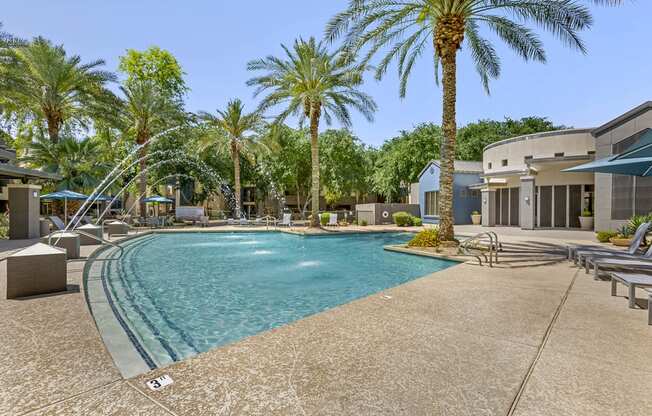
<point x="178" y="294"/>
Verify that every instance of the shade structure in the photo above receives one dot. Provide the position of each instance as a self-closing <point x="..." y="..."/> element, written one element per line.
<point x="158" y="199"/>
<point x="64" y="196"/>
<point x="635" y="161"/>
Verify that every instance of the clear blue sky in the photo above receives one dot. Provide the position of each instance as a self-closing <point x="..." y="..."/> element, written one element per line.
<point x="213" y="40"/>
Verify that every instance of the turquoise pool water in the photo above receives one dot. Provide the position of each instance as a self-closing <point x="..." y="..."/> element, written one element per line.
<point x="184" y="293"/>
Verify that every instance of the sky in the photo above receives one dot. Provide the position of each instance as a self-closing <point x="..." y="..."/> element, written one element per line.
<point x="214" y="40"/>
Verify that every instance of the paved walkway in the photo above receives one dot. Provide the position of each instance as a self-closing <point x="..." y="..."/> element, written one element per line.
<point x="533" y="336"/>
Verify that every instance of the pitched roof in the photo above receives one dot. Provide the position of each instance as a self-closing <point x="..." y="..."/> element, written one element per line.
<point x="460" y="166"/>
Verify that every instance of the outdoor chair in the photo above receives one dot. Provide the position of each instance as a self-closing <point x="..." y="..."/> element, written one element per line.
<point x="589" y="258"/>
<point x="649" y="306"/>
<point x="577" y="253"/>
<point x="286" y="221"/>
<point x="204" y="220"/>
<point x="602" y="263"/>
<point x="332" y="220"/>
<point x="57" y="222"/>
<point x="632" y="281"/>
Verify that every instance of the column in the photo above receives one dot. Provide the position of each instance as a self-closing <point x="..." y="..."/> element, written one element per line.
<point x="24" y="211"/>
<point x="526" y="203"/>
<point x="488" y="207"/>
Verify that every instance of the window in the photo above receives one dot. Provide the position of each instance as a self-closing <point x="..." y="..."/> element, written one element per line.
<point x="561" y="154"/>
<point x="528" y="159"/>
<point x="504" y="162"/>
<point x="629" y="195"/>
<point x="432" y="203"/>
<point x="489" y="165"/>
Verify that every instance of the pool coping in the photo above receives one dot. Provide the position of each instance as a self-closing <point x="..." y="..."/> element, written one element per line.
<point x="130" y="357"/>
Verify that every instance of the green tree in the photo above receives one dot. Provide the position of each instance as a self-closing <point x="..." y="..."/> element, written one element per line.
<point x="474" y="137"/>
<point x="344" y="166"/>
<point x="404" y="30"/>
<point x="158" y="66"/>
<point x="147" y="111"/>
<point x="310" y="82"/>
<point x="401" y="159"/>
<point x="77" y="161"/>
<point x="234" y="132"/>
<point x="44" y="84"/>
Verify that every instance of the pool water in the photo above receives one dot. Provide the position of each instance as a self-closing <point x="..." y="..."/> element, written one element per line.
<point x="184" y="293"/>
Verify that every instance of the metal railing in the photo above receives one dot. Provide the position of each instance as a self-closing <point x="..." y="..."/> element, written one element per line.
<point x="477" y="243"/>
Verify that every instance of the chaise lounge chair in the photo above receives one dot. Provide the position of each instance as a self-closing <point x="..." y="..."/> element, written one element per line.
<point x="57" y="222"/>
<point x="632" y="281"/>
<point x="601" y="263"/>
<point x="578" y="253"/>
<point x="332" y="220"/>
<point x="286" y="221"/>
<point x="589" y="259"/>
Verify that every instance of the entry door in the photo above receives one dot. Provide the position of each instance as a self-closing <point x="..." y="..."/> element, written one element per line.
<point x="504" y="206"/>
<point x="514" y="206"/>
<point x="560" y="206"/>
<point x="574" y="205"/>
<point x="545" y="206"/>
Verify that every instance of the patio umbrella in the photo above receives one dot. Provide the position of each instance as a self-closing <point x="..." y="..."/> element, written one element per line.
<point x="157" y="199"/>
<point x="635" y="161"/>
<point x="64" y="196"/>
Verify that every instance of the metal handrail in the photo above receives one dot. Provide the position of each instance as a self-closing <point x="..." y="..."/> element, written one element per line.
<point x="100" y="239"/>
<point x="494" y="246"/>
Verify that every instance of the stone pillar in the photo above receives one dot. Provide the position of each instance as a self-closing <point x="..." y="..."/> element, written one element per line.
<point x="488" y="207"/>
<point x="24" y="211"/>
<point x="527" y="207"/>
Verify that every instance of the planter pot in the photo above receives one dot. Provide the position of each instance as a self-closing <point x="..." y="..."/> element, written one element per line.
<point x="476" y="219"/>
<point x="586" y="223"/>
<point x="620" y="242"/>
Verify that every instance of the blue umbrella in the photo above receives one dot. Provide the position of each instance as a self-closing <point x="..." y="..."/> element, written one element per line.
<point x="157" y="199"/>
<point x="64" y="196"/>
<point x="635" y="161"/>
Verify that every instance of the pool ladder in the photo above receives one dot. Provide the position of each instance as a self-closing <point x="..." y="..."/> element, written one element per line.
<point x="480" y="245"/>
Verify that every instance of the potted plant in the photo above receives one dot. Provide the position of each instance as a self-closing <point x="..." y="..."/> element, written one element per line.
<point x="586" y="220"/>
<point x="476" y="218"/>
<point x="623" y="238"/>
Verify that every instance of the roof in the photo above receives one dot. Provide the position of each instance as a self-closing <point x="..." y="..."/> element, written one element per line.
<point x="9" y="171"/>
<point x="537" y="136"/>
<point x="620" y="120"/>
<point x="460" y="166"/>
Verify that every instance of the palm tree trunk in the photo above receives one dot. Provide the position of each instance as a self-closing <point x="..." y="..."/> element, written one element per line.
<point x="236" y="177"/>
<point x="142" y="182"/>
<point x="447" y="40"/>
<point x="314" y="153"/>
<point x="53" y="128"/>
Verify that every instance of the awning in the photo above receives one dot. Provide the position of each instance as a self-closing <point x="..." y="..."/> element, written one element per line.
<point x="635" y="161"/>
<point x="65" y="194"/>
<point x="9" y="171"/>
<point x="158" y="199"/>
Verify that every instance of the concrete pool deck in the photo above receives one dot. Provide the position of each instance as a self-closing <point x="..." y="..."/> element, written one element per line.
<point x="534" y="336"/>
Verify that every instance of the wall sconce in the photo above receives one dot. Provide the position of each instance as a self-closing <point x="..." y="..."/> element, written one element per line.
<point x="527" y="199"/>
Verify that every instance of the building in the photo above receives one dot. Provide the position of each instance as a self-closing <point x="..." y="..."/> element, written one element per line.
<point x="524" y="184"/>
<point x="466" y="198"/>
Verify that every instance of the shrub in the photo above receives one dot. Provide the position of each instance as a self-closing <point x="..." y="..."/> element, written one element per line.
<point x="426" y="238"/>
<point x="325" y="218"/>
<point x="624" y="232"/>
<point x="605" y="236"/>
<point x="587" y="213"/>
<point x="363" y="223"/>
<point x="636" y="222"/>
<point x="402" y="219"/>
<point x="475" y="213"/>
<point x="416" y="221"/>
<point x="4" y="225"/>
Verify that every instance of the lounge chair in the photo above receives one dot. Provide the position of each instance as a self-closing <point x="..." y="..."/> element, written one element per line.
<point x="57" y="222"/>
<point x="632" y="281"/>
<point x="579" y="252"/>
<point x="204" y="220"/>
<point x="332" y="220"/>
<point x="649" y="306"/>
<point x="589" y="258"/>
<point x="286" y="221"/>
<point x="617" y="263"/>
<point x="244" y="222"/>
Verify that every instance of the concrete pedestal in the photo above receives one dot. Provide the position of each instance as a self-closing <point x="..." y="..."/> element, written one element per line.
<point x="24" y="205"/>
<point x="117" y="228"/>
<point x="36" y="270"/>
<point x="44" y="226"/>
<point x="95" y="230"/>
<point x="67" y="241"/>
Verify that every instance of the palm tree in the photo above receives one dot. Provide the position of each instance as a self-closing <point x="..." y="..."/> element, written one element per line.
<point x="235" y="130"/>
<point x="147" y="111"/>
<point x="405" y="30"/>
<point x="311" y="83"/>
<point x="79" y="162"/>
<point x="53" y="87"/>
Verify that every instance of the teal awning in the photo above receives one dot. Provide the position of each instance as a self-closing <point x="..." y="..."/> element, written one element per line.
<point x="65" y="195"/>
<point x="635" y="161"/>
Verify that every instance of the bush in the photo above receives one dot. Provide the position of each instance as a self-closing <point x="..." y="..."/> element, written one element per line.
<point x="475" y="213"/>
<point x="402" y="219"/>
<point x="325" y="218"/>
<point x="605" y="236"/>
<point x="426" y="238"/>
<point x="416" y="221"/>
<point x="587" y="213"/>
<point x="636" y="222"/>
<point x="4" y="225"/>
<point x="362" y="223"/>
<point x="624" y="232"/>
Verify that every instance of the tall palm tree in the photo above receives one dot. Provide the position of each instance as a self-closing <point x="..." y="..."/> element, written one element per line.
<point x="52" y="87"/>
<point x="146" y="112"/>
<point x="235" y="130"/>
<point x="311" y="83"/>
<point x="404" y="30"/>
